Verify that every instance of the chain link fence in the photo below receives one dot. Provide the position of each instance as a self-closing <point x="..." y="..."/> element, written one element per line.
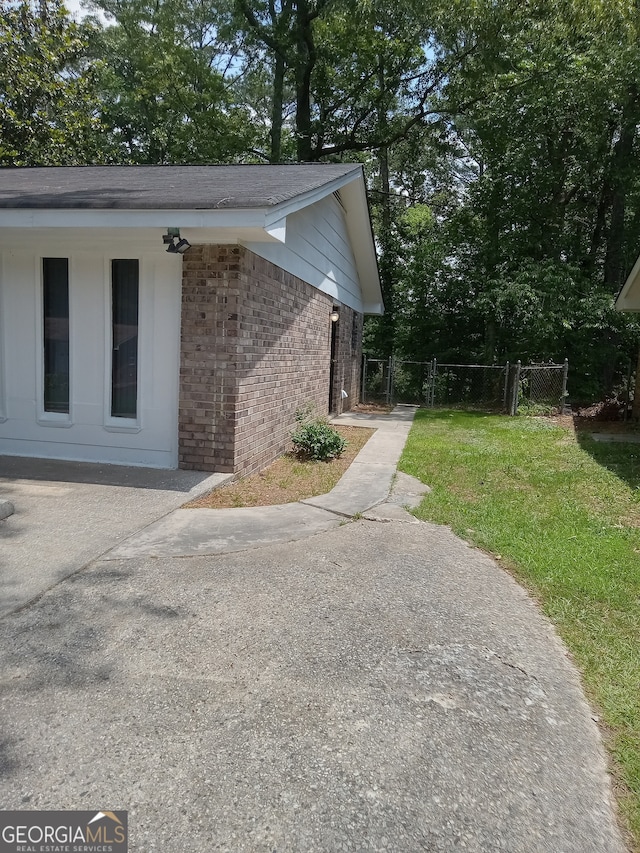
<point x="503" y="388"/>
<point x="538" y="386"/>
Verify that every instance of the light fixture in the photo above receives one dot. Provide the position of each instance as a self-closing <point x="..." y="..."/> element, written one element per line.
<point x="175" y="246"/>
<point x="335" y="315"/>
<point x="180" y="247"/>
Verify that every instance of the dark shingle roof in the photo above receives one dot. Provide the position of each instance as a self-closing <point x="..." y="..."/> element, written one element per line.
<point x="162" y="187"/>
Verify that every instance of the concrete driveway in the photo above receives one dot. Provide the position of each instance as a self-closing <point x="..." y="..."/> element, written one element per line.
<point x="379" y="686"/>
<point x="68" y="513"/>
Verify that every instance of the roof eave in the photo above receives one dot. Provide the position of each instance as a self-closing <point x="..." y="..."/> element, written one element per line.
<point x="622" y="299"/>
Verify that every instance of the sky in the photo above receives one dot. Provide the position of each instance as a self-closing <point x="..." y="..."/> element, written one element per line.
<point x="78" y="12"/>
<point x="74" y="7"/>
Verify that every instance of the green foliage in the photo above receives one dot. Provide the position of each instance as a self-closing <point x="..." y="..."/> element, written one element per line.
<point x="501" y="144"/>
<point x="305" y="413"/>
<point x="315" y="439"/>
<point x="165" y="98"/>
<point x="48" y="107"/>
<point x="533" y="195"/>
<point x="529" y="409"/>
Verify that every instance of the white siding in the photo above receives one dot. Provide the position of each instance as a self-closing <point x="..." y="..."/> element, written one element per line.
<point x="317" y="250"/>
<point x="89" y="433"/>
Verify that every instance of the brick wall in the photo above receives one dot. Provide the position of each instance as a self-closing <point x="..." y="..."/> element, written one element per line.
<point x="208" y="395"/>
<point x="284" y="359"/>
<point x="255" y="347"/>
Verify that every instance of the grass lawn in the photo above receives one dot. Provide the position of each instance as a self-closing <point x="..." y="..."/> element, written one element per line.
<point x="563" y="513"/>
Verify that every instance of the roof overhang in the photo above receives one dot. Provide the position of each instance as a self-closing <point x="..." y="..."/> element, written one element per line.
<point x="353" y="196"/>
<point x="213" y="226"/>
<point x="629" y="297"/>
<point x="222" y="225"/>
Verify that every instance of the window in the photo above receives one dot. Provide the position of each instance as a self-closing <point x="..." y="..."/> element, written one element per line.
<point x="55" y="306"/>
<point x="124" y="338"/>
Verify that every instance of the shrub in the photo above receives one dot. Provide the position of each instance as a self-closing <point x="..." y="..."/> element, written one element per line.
<point x="315" y="439"/>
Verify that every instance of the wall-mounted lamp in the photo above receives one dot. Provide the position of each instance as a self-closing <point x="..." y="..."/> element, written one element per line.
<point x="175" y="246"/>
<point x="334" y="316"/>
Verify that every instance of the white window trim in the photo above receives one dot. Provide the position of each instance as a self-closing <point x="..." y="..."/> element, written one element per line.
<point x="111" y="424"/>
<point x="43" y="418"/>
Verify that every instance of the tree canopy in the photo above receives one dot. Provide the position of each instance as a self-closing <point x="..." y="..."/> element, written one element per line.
<point x="500" y="141"/>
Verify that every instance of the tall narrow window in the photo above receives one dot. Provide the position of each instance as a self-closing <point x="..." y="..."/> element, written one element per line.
<point x="124" y="318"/>
<point x="55" y="305"/>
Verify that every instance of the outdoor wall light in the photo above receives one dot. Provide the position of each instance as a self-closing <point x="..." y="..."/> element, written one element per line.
<point x="180" y="247"/>
<point x="175" y="246"/>
<point x="334" y="316"/>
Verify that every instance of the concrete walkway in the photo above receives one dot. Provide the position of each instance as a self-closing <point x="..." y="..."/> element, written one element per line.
<point x="366" y="483"/>
<point x="374" y="685"/>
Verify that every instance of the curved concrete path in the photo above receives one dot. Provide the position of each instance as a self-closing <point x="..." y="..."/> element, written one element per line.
<point x="366" y="483"/>
<point x="375" y="686"/>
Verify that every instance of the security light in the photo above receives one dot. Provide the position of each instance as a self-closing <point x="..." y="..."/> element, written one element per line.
<point x="182" y="246"/>
<point x="175" y="246"/>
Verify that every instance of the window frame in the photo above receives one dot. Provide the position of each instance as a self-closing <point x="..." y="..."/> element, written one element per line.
<point x="115" y="423"/>
<point x="44" y="417"/>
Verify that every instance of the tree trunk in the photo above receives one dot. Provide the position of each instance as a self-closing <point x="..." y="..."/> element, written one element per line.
<point x="305" y="61"/>
<point x="387" y="263"/>
<point x="614" y="266"/>
<point x="276" y="110"/>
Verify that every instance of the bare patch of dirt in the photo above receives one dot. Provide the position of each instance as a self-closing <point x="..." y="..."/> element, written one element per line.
<point x="372" y="408"/>
<point x="288" y="479"/>
<point x="596" y="418"/>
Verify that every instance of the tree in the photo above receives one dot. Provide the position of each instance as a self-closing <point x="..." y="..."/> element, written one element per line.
<point x="48" y="102"/>
<point x="167" y="83"/>
<point x="546" y="223"/>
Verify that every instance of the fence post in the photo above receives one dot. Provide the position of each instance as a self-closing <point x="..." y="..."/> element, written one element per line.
<point x="628" y="394"/>
<point x="363" y="395"/>
<point x="434" y="370"/>
<point x="389" y="380"/>
<point x="516" y="388"/>
<point x="506" y="386"/>
<point x="565" y="375"/>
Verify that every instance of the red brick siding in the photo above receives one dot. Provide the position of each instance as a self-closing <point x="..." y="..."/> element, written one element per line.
<point x="255" y="347"/>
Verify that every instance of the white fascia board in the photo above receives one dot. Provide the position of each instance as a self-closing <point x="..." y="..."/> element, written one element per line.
<point x="358" y="222"/>
<point x="233" y="225"/>
<point x="277" y="230"/>
<point x="623" y="303"/>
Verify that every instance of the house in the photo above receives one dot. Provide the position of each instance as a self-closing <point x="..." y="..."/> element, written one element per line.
<point x="628" y="298"/>
<point x="178" y="316"/>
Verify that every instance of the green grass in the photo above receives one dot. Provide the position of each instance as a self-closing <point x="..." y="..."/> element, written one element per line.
<point x="563" y="513"/>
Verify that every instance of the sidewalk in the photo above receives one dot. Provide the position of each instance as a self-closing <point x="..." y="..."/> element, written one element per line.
<point x="366" y="484"/>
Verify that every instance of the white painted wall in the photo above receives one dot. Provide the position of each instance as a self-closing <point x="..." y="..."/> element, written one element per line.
<point x="88" y="433"/>
<point x="317" y="250"/>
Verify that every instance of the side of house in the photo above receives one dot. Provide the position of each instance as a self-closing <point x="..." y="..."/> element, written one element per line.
<point x="256" y="347"/>
<point x="115" y="350"/>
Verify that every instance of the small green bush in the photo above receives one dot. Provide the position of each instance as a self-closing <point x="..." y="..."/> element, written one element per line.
<point x="315" y="439"/>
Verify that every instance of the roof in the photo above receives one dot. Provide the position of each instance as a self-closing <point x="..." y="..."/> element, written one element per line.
<point x="242" y="204"/>
<point x="163" y="187"/>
